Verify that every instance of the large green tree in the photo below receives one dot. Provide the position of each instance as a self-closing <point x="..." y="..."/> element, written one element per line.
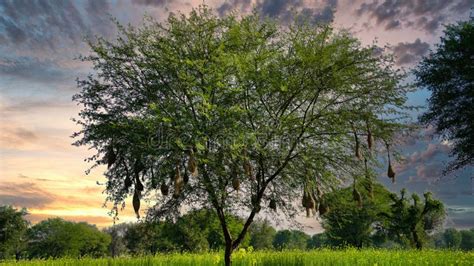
<point x="409" y="223"/>
<point x="55" y="238"/>
<point x="448" y="74"/>
<point x="355" y="217"/>
<point x="13" y="226"/>
<point x="233" y="114"/>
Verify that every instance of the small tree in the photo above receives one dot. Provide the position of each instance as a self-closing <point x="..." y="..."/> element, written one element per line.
<point x="13" y="226"/>
<point x="410" y="223"/>
<point x="448" y="74"/>
<point x="233" y="114"/>
<point x="290" y="239"/>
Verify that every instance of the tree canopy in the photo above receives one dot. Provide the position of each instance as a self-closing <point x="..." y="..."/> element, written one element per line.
<point x="448" y="74"/>
<point x="13" y="226"/>
<point x="234" y="114"/>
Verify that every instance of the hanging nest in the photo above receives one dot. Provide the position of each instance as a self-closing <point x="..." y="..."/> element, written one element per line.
<point x="323" y="208"/>
<point x="110" y="156"/>
<point x="178" y="182"/>
<point x="308" y="203"/>
<point x="357" y="147"/>
<point x="390" y="172"/>
<point x="370" y="188"/>
<point x="138" y="183"/>
<point x="357" y="197"/>
<point x="236" y="183"/>
<point x="164" y="188"/>
<point x="248" y="169"/>
<point x="127" y="183"/>
<point x="273" y="205"/>
<point x="192" y="164"/>
<point x="370" y="138"/>
<point x="136" y="202"/>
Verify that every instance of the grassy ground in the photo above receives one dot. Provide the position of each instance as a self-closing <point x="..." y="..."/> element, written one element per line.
<point x="317" y="257"/>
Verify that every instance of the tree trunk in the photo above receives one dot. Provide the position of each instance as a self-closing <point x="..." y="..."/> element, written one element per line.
<point x="228" y="253"/>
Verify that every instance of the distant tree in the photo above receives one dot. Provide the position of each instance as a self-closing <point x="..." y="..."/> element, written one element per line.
<point x="262" y="235"/>
<point x="467" y="239"/>
<point x="290" y="239"/>
<point x="452" y="238"/>
<point x="117" y="245"/>
<point x="59" y="238"/>
<point x="318" y="241"/>
<point x="409" y="223"/>
<point x="233" y="109"/>
<point x="448" y="74"/>
<point x="355" y="212"/>
<point x="13" y="227"/>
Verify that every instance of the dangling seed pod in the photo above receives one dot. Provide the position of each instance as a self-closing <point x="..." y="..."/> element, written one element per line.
<point x="370" y="138"/>
<point x="164" y="188"/>
<point x="110" y="156"/>
<point x="178" y="182"/>
<point x="273" y="205"/>
<point x="357" y="197"/>
<point x="136" y="203"/>
<point x="192" y="164"/>
<point x="304" y="200"/>
<point x="236" y="183"/>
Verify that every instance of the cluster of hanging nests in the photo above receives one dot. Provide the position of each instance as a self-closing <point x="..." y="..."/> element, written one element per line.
<point x="312" y="200"/>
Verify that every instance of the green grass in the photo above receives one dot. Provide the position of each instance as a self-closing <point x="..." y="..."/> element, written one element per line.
<point x="317" y="257"/>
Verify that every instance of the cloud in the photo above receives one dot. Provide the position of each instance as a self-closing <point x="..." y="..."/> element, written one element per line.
<point x="242" y="5"/>
<point x="33" y="69"/>
<point x="25" y="194"/>
<point x="150" y="2"/>
<point x="408" y="53"/>
<point x="50" y="25"/>
<point x="16" y="136"/>
<point x="419" y="14"/>
<point x="283" y="10"/>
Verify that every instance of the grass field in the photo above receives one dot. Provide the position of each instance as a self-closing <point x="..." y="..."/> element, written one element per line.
<point x="316" y="257"/>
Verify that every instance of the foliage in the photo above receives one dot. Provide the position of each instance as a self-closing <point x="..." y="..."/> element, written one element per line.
<point x="233" y="114"/>
<point x="410" y="224"/>
<point x="467" y="239"/>
<point x="262" y="235"/>
<point x="117" y="246"/>
<point x="13" y="226"/>
<point x="363" y="257"/>
<point x="290" y="239"/>
<point x="452" y="238"/>
<point x="59" y="238"/>
<point x="353" y="223"/>
<point x="318" y="241"/>
<point x="448" y="74"/>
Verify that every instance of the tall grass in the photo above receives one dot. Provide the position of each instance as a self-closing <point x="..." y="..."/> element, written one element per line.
<point x="347" y="257"/>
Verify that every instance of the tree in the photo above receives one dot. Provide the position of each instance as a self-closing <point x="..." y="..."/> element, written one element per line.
<point x="262" y="235"/>
<point x="13" y="226"/>
<point x="58" y="238"/>
<point x="232" y="114"/>
<point x="290" y="239"/>
<point x="355" y="218"/>
<point x="318" y="241"/>
<point x="117" y="245"/>
<point x="409" y="223"/>
<point x="452" y="238"/>
<point x="467" y="239"/>
<point x="448" y="74"/>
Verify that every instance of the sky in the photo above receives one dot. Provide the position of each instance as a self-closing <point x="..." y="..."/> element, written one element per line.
<point x="40" y="41"/>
